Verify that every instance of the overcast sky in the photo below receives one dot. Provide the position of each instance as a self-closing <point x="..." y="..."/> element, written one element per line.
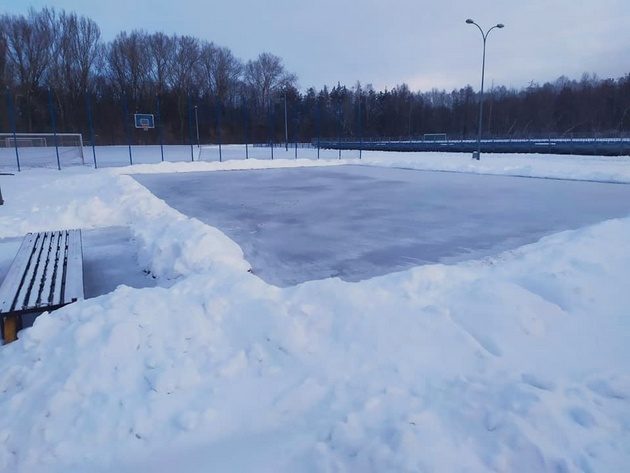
<point x="423" y="43"/>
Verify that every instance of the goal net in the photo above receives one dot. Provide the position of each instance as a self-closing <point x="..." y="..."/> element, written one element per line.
<point x="38" y="149"/>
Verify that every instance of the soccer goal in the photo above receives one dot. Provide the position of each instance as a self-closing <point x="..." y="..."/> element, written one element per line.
<point x="434" y="137"/>
<point x="38" y="149"/>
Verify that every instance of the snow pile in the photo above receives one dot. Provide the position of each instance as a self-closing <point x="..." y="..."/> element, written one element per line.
<point x="232" y="165"/>
<point x="589" y="168"/>
<point x="513" y="363"/>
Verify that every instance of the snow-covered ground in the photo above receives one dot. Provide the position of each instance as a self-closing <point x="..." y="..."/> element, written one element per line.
<point x="516" y="362"/>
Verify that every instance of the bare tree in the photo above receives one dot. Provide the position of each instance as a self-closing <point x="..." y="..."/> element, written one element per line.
<point x="128" y="64"/>
<point x="206" y="67"/>
<point x="75" y="61"/>
<point x="265" y="76"/>
<point x="28" y="41"/>
<point x="228" y="74"/>
<point x="4" y="67"/>
<point x="185" y="63"/>
<point x="161" y="52"/>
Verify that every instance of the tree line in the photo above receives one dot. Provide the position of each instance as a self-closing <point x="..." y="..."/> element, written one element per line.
<point x="57" y="59"/>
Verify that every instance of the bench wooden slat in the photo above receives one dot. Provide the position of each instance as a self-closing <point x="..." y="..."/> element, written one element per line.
<point x="44" y="298"/>
<point x="29" y="275"/>
<point x="13" y="278"/>
<point x="39" y="275"/>
<point x="59" y="270"/>
<point x="74" y="268"/>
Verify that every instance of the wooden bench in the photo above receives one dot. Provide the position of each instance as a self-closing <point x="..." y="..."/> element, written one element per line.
<point x="47" y="273"/>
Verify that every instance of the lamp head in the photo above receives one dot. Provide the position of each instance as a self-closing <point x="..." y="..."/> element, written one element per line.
<point x="500" y="25"/>
<point x="469" y="21"/>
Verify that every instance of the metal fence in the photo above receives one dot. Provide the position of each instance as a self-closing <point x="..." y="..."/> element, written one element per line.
<point x="604" y="146"/>
<point x="202" y="136"/>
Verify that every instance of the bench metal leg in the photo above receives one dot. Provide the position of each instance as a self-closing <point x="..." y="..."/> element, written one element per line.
<point x="11" y="325"/>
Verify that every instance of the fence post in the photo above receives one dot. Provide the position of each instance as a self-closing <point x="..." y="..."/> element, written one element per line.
<point x="88" y="107"/>
<point x="54" y="126"/>
<point x="360" y="131"/>
<point x="126" y="124"/>
<point x="10" y="106"/>
<point x="190" y="128"/>
<point x="270" y="127"/>
<point x="319" y="124"/>
<point x="218" y="125"/>
<point x="296" y="133"/>
<point x="159" y="125"/>
<point x="286" y="123"/>
<point x="339" y="130"/>
<point x="245" y="134"/>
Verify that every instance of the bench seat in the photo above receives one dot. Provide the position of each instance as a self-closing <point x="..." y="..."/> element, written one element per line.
<point x="47" y="273"/>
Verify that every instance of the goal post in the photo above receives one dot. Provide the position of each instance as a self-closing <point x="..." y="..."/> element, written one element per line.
<point x="37" y="148"/>
<point x="25" y="141"/>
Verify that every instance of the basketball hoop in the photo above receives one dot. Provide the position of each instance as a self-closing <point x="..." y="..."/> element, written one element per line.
<point x="144" y="121"/>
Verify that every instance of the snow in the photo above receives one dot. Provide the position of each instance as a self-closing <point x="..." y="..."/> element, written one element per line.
<point x="515" y="362"/>
<point x="582" y="168"/>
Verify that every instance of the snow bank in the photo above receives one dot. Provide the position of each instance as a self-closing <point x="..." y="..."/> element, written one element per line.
<point x="512" y="363"/>
<point x="234" y="165"/>
<point x="583" y="168"/>
<point x="171" y="244"/>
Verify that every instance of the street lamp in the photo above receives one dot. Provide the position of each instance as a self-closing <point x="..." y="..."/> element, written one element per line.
<point x="477" y="154"/>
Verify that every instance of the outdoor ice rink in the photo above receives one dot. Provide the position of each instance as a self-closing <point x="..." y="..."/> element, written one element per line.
<point x="356" y="222"/>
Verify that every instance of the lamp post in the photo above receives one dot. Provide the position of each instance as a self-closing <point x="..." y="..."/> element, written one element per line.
<point x="197" y="125"/>
<point x="477" y="154"/>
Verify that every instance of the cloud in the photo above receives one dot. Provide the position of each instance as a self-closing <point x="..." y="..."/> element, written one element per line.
<point x="423" y="43"/>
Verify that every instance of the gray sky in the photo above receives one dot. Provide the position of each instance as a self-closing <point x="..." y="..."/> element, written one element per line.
<point x="423" y="43"/>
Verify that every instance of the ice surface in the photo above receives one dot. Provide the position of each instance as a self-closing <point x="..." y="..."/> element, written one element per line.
<point x="110" y="258"/>
<point x="357" y="222"/>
